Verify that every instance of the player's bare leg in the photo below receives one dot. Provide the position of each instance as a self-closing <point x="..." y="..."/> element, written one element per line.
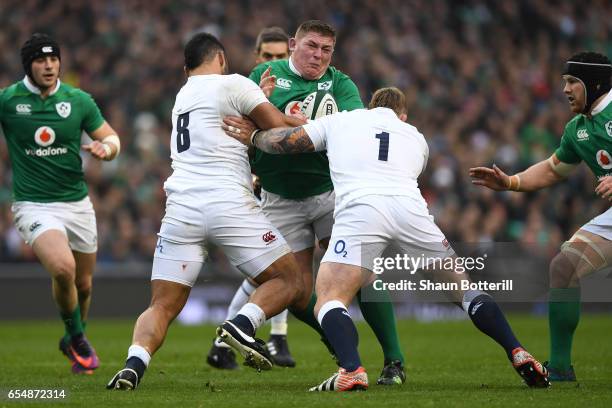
<point x="304" y="259"/>
<point x="54" y="253"/>
<point x="336" y="286"/>
<point x="277" y="343"/>
<point x="167" y="300"/>
<point x="301" y="262"/>
<point x="489" y="319"/>
<point x="280" y="286"/>
<point x="581" y="255"/>
<point x="85" y="265"/>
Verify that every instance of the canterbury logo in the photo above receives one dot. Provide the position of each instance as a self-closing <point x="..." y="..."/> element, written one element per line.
<point x="283" y="83"/>
<point x="35" y="225"/>
<point x="268" y="237"/>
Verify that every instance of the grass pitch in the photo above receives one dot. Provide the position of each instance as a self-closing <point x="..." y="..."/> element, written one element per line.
<point x="448" y="364"/>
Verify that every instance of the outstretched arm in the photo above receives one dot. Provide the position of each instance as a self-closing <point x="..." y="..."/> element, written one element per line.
<point x="542" y="174"/>
<point x="275" y="141"/>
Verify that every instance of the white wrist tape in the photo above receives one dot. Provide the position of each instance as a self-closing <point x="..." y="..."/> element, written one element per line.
<point x="112" y="139"/>
<point x="108" y="150"/>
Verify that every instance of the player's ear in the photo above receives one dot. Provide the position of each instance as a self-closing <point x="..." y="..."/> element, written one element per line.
<point x="186" y="70"/>
<point x="221" y="59"/>
<point x="403" y="117"/>
<point x="292" y="44"/>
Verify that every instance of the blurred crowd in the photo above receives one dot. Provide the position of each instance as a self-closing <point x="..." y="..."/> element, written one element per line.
<point x="483" y="81"/>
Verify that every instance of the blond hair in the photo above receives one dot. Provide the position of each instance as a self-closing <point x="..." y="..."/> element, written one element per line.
<point x="391" y="98"/>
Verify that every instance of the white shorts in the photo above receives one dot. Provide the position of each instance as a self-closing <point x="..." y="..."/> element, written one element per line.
<point x="601" y="225"/>
<point x="367" y="226"/>
<point x="76" y="219"/>
<point x="301" y="220"/>
<point x="229" y="218"/>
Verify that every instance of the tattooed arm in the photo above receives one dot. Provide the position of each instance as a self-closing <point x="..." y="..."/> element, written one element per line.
<point x="283" y="141"/>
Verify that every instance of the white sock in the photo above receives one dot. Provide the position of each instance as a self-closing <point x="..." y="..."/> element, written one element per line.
<point x="279" y="323"/>
<point x="256" y="316"/>
<point x="240" y="299"/>
<point x="140" y="352"/>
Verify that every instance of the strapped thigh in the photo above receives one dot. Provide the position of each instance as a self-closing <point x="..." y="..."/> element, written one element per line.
<point x="595" y="259"/>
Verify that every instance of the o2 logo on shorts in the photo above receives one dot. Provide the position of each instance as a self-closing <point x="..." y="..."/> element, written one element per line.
<point x="268" y="237"/>
<point x="160" y="246"/>
<point x="340" y="248"/>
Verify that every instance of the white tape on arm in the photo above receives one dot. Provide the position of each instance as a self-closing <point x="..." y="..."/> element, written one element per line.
<point x="561" y="168"/>
<point x="114" y="140"/>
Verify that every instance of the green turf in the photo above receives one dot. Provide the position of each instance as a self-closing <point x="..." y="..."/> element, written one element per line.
<point x="448" y="364"/>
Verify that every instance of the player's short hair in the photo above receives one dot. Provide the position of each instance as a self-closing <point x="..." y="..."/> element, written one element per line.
<point x="315" y="26"/>
<point x="202" y="47"/>
<point x="391" y="98"/>
<point x="270" y="34"/>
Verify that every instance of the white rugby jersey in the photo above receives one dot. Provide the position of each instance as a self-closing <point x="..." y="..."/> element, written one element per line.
<point x="370" y="152"/>
<point x="202" y="154"/>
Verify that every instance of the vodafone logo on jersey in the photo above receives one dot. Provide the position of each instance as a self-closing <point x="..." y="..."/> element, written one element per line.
<point x="604" y="159"/>
<point x="44" y="136"/>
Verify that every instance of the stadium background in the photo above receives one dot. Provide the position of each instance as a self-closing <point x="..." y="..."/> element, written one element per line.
<point x="483" y="81"/>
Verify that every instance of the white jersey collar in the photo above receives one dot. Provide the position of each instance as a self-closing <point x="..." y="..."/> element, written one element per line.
<point x="294" y="69"/>
<point x="602" y="104"/>
<point x="386" y="111"/>
<point x="34" y="89"/>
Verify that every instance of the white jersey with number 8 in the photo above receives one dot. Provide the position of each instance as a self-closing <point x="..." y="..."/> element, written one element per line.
<point x="199" y="147"/>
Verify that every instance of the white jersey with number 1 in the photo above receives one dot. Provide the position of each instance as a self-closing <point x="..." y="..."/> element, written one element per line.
<point x="371" y="152"/>
<point x="374" y="161"/>
<point x="200" y="150"/>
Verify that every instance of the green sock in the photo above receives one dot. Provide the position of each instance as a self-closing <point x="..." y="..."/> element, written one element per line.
<point x="308" y="317"/>
<point x="377" y="310"/>
<point x="563" y="317"/>
<point x="67" y="335"/>
<point x="72" y="322"/>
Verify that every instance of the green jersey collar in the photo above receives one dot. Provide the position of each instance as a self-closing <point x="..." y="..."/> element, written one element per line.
<point x="34" y="89"/>
<point x="294" y="69"/>
<point x="602" y="104"/>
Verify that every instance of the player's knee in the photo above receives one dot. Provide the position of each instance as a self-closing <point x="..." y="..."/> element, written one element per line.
<point x="294" y="285"/>
<point x="63" y="270"/>
<point x="167" y="310"/>
<point x="83" y="288"/>
<point x="561" y="271"/>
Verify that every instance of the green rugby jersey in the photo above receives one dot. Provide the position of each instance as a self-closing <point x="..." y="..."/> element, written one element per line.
<point x="300" y="175"/>
<point x="44" y="140"/>
<point x="589" y="139"/>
